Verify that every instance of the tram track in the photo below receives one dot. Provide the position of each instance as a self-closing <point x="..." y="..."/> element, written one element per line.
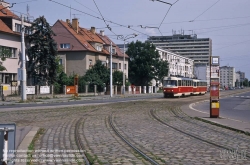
<point x="152" y="161"/>
<point x="183" y="131"/>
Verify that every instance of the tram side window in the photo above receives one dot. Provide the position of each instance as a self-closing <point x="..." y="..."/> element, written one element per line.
<point x="179" y="82"/>
<point x="195" y="84"/>
<point x="198" y="83"/>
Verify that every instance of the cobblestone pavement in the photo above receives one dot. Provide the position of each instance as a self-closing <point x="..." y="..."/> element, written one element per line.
<point x="134" y="121"/>
<point x="170" y="146"/>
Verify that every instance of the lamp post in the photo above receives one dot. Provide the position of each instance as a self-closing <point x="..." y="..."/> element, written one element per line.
<point x="124" y="39"/>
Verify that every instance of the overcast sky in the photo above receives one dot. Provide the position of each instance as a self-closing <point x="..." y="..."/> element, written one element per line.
<point x="226" y="22"/>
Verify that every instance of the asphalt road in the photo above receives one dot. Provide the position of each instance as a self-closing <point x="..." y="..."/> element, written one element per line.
<point x="235" y="107"/>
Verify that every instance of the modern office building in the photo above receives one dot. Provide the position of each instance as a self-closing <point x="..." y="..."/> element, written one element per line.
<point x="227" y="76"/>
<point x="190" y="46"/>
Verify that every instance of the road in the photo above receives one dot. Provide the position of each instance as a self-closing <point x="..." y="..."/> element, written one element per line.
<point x="235" y="107"/>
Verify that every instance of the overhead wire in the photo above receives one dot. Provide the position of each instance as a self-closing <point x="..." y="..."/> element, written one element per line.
<point x="204" y="11"/>
<point x="103" y="18"/>
<point x="98" y="17"/>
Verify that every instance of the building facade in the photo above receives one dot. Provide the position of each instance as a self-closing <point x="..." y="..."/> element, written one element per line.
<point x="80" y="48"/>
<point x="10" y="40"/>
<point x="227" y="76"/>
<point x="189" y="46"/>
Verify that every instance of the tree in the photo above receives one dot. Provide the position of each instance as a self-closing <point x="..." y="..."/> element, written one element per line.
<point x="245" y="82"/>
<point x="4" y="53"/>
<point x="117" y="78"/>
<point x="145" y="63"/>
<point x="42" y="54"/>
<point x="98" y="75"/>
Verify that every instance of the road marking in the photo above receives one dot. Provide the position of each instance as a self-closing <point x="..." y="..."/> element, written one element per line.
<point x="191" y="107"/>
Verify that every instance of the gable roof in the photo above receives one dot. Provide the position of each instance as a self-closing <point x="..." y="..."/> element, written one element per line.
<point x="5" y="28"/>
<point x="84" y="37"/>
<point x="108" y="41"/>
<point x="5" y="12"/>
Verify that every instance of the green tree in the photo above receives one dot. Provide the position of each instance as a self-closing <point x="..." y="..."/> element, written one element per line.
<point x="117" y="78"/>
<point x="42" y="54"/>
<point x="245" y="82"/>
<point x="161" y="70"/>
<point x="145" y="63"/>
<point x="4" y="53"/>
<point x="97" y="75"/>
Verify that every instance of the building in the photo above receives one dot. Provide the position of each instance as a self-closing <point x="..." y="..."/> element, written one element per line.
<point x="178" y="65"/>
<point x="237" y="77"/>
<point x="242" y="76"/>
<point x="80" y="48"/>
<point x="198" y="49"/>
<point x="10" y="39"/>
<point x="202" y="72"/>
<point x="227" y="76"/>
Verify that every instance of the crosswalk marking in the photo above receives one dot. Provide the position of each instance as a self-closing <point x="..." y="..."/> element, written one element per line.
<point x="240" y="96"/>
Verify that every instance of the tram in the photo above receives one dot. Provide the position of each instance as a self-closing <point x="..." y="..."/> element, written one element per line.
<point x="180" y="86"/>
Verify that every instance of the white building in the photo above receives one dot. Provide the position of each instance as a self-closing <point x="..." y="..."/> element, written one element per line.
<point x="10" y="40"/>
<point x="178" y="65"/>
<point x="227" y="76"/>
<point x="202" y="72"/>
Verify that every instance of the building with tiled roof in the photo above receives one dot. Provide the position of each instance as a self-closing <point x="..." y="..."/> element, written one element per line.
<point x="10" y="39"/>
<point x="79" y="48"/>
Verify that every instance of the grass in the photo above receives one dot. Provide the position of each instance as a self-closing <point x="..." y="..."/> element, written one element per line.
<point x="92" y="159"/>
<point x="31" y="147"/>
<point x="45" y="98"/>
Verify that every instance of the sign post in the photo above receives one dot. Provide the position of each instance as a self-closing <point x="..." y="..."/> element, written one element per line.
<point x="214" y="86"/>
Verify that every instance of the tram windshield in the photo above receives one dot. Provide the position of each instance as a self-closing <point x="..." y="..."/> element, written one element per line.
<point x="169" y="83"/>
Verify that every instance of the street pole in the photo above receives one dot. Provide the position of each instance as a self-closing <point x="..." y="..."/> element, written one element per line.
<point x="123" y="82"/>
<point x="111" y="70"/>
<point x="23" y="66"/>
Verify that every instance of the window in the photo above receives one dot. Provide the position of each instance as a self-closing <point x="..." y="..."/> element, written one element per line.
<point x="113" y="51"/>
<point x="60" y="61"/>
<point x="179" y="82"/>
<point x="125" y="67"/>
<point x="120" y="66"/>
<point x="90" y="62"/>
<point x="169" y="83"/>
<point x="8" y="52"/>
<point x="64" y="46"/>
<point x="99" y="48"/>
<point x="114" y="65"/>
<point x="18" y="27"/>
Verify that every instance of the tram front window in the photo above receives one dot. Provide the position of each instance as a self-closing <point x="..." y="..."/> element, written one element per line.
<point x="169" y="83"/>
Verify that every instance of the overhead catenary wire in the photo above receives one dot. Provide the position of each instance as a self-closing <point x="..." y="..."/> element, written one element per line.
<point x="103" y="18"/>
<point x="204" y="11"/>
<point x="99" y="17"/>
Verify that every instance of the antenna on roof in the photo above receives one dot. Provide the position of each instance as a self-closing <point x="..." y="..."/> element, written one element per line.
<point x="75" y="15"/>
<point x="70" y="13"/>
<point x="28" y="14"/>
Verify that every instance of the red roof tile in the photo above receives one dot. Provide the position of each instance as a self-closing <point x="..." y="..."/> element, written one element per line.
<point x="7" y="13"/>
<point x="5" y="28"/>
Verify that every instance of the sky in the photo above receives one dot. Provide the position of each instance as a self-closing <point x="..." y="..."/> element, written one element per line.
<point x="226" y="22"/>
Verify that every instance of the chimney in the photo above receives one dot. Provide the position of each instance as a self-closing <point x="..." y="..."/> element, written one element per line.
<point x="92" y="30"/>
<point x="75" y="24"/>
<point x="68" y="21"/>
<point x="102" y="32"/>
<point x="5" y="4"/>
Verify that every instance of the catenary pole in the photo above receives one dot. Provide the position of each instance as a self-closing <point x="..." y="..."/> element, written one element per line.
<point x="111" y="70"/>
<point x="23" y="66"/>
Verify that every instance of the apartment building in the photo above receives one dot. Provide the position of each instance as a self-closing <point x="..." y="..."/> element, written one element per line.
<point x="227" y="76"/>
<point x="79" y="48"/>
<point x="178" y="65"/>
<point x="189" y="46"/>
<point x="10" y="40"/>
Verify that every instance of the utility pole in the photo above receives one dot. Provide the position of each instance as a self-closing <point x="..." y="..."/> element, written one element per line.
<point x="23" y="66"/>
<point x="111" y="81"/>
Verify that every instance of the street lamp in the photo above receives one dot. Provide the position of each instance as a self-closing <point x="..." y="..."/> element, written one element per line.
<point x="124" y="39"/>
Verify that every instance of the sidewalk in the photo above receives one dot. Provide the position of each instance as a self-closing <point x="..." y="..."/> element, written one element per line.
<point x="70" y="98"/>
<point x="236" y="125"/>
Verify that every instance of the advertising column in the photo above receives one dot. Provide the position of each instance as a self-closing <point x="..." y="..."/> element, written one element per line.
<point x="214" y="86"/>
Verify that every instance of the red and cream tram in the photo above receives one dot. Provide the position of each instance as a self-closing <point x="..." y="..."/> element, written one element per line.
<point x="180" y="86"/>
